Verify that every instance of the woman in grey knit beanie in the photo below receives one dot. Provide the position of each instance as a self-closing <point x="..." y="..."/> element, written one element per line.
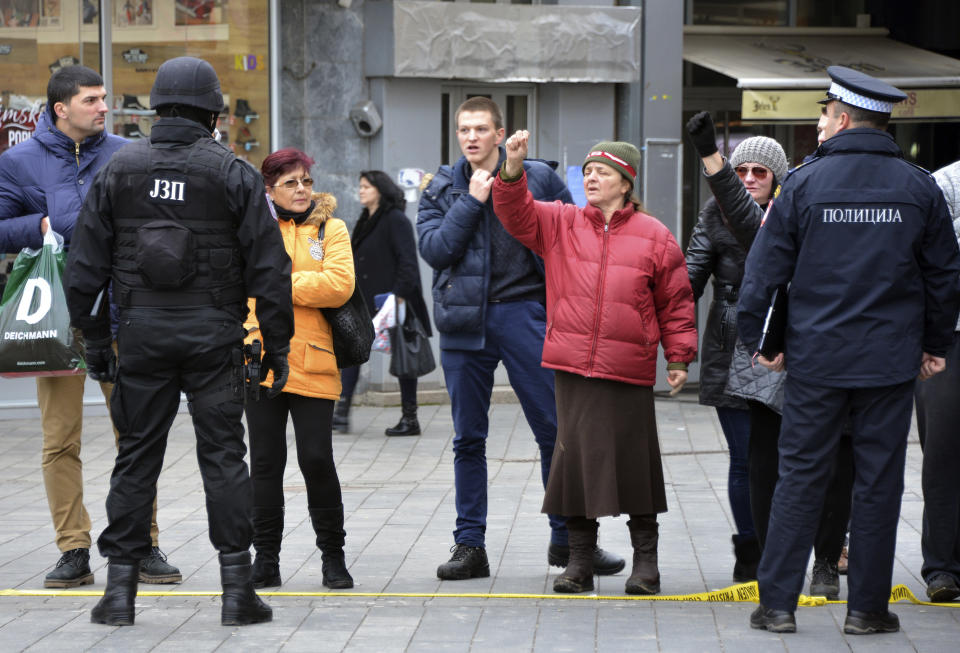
<point x="747" y="397"/>
<point x="766" y="152"/>
<point x="757" y="165"/>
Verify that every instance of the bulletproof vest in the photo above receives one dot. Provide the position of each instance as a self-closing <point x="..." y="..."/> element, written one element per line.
<point x="175" y="240"/>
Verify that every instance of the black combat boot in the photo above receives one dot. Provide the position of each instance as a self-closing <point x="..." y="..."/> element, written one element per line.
<point x="328" y="525"/>
<point x="155" y="569"/>
<point x="73" y="568"/>
<point x="116" y="606"/>
<point x="644" y="535"/>
<point x="341" y="415"/>
<point x="241" y="605"/>
<point x="578" y="576"/>
<point x="408" y="424"/>
<point x="267" y="533"/>
<point x="746" y="549"/>
<point x="825" y="580"/>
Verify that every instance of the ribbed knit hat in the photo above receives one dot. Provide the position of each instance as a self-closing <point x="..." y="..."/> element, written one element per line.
<point x="765" y="151"/>
<point x="624" y="157"/>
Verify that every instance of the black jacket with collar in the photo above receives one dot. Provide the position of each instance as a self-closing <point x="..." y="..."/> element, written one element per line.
<point x="385" y="255"/>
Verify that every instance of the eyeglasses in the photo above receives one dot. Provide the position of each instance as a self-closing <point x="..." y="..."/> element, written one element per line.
<point x="291" y="184"/>
<point x="759" y="173"/>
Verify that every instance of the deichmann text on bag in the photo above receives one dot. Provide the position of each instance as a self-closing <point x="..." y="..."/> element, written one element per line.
<point x="36" y="336"/>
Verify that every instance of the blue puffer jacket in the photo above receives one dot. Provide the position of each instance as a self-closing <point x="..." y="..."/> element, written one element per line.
<point x="454" y="238"/>
<point x="48" y="174"/>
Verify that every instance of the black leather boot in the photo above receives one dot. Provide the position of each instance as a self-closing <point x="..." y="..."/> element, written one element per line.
<point x="747" y="551"/>
<point x="267" y="534"/>
<point x="241" y="605"/>
<point x="644" y="535"/>
<point x="341" y="415"/>
<point x="408" y="424"/>
<point x="328" y="525"/>
<point x="578" y="576"/>
<point x="116" y="606"/>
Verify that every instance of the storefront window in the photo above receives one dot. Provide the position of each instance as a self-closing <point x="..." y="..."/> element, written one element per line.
<point x="38" y="36"/>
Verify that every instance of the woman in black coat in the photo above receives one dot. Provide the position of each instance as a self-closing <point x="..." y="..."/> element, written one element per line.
<point x="713" y="250"/>
<point x="385" y="255"/>
<point x="741" y="214"/>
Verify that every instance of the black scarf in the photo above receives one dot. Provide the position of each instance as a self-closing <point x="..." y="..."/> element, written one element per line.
<point x="365" y="224"/>
<point x="298" y="218"/>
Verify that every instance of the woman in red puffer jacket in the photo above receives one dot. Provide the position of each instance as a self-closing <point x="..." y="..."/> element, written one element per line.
<point x="617" y="287"/>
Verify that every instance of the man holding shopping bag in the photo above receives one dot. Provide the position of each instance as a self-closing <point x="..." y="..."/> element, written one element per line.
<point x="43" y="182"/>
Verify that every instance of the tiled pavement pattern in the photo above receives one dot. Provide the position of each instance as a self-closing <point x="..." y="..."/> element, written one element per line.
<point x="398" y="494"/>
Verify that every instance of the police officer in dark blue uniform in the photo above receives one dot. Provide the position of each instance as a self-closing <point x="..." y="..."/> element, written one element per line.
<point x="865" y="242"/>
<point x="181" y="229"/>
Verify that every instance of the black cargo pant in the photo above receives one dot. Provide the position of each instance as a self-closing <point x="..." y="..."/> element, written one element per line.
<point x="164" y="352"/>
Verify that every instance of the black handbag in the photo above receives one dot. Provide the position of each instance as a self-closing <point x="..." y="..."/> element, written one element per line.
<point x="410" y="353"/>
<point x="352" y="327"/>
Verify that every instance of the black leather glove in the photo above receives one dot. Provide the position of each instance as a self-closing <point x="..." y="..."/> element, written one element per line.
<point x="275" y="361"/>
<point x="703" y="134"/>
<point x="101" y="360"/>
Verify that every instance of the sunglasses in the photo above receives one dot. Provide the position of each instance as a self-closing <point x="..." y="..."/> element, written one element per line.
<point x="759" y="173"/>
<point x="291" y="184"/>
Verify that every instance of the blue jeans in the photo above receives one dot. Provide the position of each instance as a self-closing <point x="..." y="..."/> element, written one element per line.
<point x="735" y="423"/>
<point x="514" y="335"/>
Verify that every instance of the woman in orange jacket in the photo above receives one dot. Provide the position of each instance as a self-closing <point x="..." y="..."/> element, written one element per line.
<point x="323" y="276"/>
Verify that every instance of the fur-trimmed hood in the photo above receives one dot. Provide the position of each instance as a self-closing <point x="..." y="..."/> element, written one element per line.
<point x="326" y="205"/>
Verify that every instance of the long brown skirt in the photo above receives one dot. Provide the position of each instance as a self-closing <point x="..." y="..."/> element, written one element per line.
<point x="607" y="458"/>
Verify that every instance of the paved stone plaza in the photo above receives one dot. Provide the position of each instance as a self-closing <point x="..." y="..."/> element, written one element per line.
<point x="398" y="494"/>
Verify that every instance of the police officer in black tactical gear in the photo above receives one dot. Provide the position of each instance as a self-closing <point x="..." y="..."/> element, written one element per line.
<point x="182" y="230"/>
<point x="865" y="241"/>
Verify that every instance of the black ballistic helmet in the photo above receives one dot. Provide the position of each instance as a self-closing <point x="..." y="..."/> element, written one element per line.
<point x="189" y="81"/>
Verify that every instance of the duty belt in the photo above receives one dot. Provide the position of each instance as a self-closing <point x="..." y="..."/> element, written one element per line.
<point x="135" y="298"/>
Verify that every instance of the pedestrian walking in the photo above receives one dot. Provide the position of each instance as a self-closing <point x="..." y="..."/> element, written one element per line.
<point x="385" y="255"/>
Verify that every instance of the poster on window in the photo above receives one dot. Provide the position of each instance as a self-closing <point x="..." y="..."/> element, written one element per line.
<point x="200" y="12"/>
<point x="20" y="13"/>
<point x="91" y="12"/>
<point x="18" y="118"/>
<point x="130" y="13"/>
<point x="50" y="13"/>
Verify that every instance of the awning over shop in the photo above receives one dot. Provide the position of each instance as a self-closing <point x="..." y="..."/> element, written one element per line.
<point x="782" y="71"/>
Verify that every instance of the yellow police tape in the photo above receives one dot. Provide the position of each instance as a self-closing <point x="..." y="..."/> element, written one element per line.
<point x="735" y="593"/>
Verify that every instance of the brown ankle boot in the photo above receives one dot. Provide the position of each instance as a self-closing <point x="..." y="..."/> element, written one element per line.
<point x="578" y="576"/>
<point x="645" y="577"/>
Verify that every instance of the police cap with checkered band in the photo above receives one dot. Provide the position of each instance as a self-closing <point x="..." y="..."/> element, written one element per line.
<point x="861" y="90"/>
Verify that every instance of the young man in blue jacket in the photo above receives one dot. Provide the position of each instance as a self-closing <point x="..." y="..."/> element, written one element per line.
<point x="43" y="182"/>
<point x="489" y="306"/>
